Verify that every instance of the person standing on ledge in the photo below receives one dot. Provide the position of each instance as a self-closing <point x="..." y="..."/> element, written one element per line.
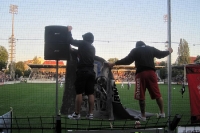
<point x="85" y="75"/>
<point x="145" y="78"/>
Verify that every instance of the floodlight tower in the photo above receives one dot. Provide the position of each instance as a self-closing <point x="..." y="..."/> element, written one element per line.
<point x="13" y="10"/>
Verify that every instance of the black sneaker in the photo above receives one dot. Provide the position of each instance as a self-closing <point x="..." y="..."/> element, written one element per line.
<point x="74" y="116"/>
<point x="89" y="116"/>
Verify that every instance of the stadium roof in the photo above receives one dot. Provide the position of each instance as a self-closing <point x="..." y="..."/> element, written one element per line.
<point x="123" y="68"/>
<point x="45" y="66"/>
<point x="182" y="66"/>
<point x="52" y="62"/>
<point x="48" y="64"/>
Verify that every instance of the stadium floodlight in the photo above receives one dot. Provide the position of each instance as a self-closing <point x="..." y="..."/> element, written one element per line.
<point x="13" y="10"/>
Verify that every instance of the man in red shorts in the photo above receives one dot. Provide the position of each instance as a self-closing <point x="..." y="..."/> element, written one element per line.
<point x="145" y="78"/>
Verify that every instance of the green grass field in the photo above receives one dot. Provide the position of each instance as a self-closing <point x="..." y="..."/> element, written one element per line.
<point x="38" y="100"/>
<point x="29" y="99"/>
<point x="179" y="105"/>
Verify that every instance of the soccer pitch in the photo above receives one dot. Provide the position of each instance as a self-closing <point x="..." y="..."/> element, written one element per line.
<point x="38" y="100"/>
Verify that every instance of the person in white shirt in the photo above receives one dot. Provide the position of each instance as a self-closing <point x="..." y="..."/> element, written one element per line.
<point x="129" y="85"/>
<point x="122" y="85"/>
<point x="62" y="81"/>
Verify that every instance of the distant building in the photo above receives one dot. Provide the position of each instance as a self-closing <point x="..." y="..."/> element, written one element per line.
<point x="48" y="66"/>
<point x="192" y="59"/>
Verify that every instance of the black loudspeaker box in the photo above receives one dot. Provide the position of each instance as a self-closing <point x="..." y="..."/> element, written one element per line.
<point x="56" y="43"/>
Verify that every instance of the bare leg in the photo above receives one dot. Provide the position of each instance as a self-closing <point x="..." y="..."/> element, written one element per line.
<point x="142" y="107"/>
<point x="160" y="104"/>
<point x="91" y="103"/>
<point x="78" y="103"/>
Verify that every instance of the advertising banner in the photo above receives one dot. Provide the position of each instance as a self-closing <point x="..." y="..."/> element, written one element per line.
<point x="188" y="129"/>
<point x="193" y="77"/>
<point x="6" y="122"/>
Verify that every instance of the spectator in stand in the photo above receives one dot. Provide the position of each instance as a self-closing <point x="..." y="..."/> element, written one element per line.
<point x="143" y="56"/>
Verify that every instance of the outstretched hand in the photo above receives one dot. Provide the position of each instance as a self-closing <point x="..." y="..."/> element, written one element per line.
<point x="69" y="28"/>
<point x="170" y="50"/>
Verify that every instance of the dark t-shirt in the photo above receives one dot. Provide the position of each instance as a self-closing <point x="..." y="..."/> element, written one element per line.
<point x="85" y="53"/>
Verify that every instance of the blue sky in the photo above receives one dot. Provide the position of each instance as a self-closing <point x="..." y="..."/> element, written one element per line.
<point x="116" y="24"/>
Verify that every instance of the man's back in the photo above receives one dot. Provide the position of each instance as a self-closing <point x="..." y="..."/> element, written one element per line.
<point x="86" y="53"/>
<point x="144" y="57"/>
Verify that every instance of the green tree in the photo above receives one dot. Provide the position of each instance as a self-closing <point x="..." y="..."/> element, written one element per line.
<point x="7" y="71"/>
<point x="27" y="73"/>
<point x="183" y="53"/>
<point x="177" y="70"/>
<point x="20" y="65"/>
<point x="36" y="60"/>
<point x="3" y="65"/>
<point x="9" y="66"/>
<point x="197" y="60"/>
<point x="112" y="60"/>
<point x="18" y="73"/>
<point x="162" y="63"/>
<point x="163" y="71"/>
<point x="3" y="57"/>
